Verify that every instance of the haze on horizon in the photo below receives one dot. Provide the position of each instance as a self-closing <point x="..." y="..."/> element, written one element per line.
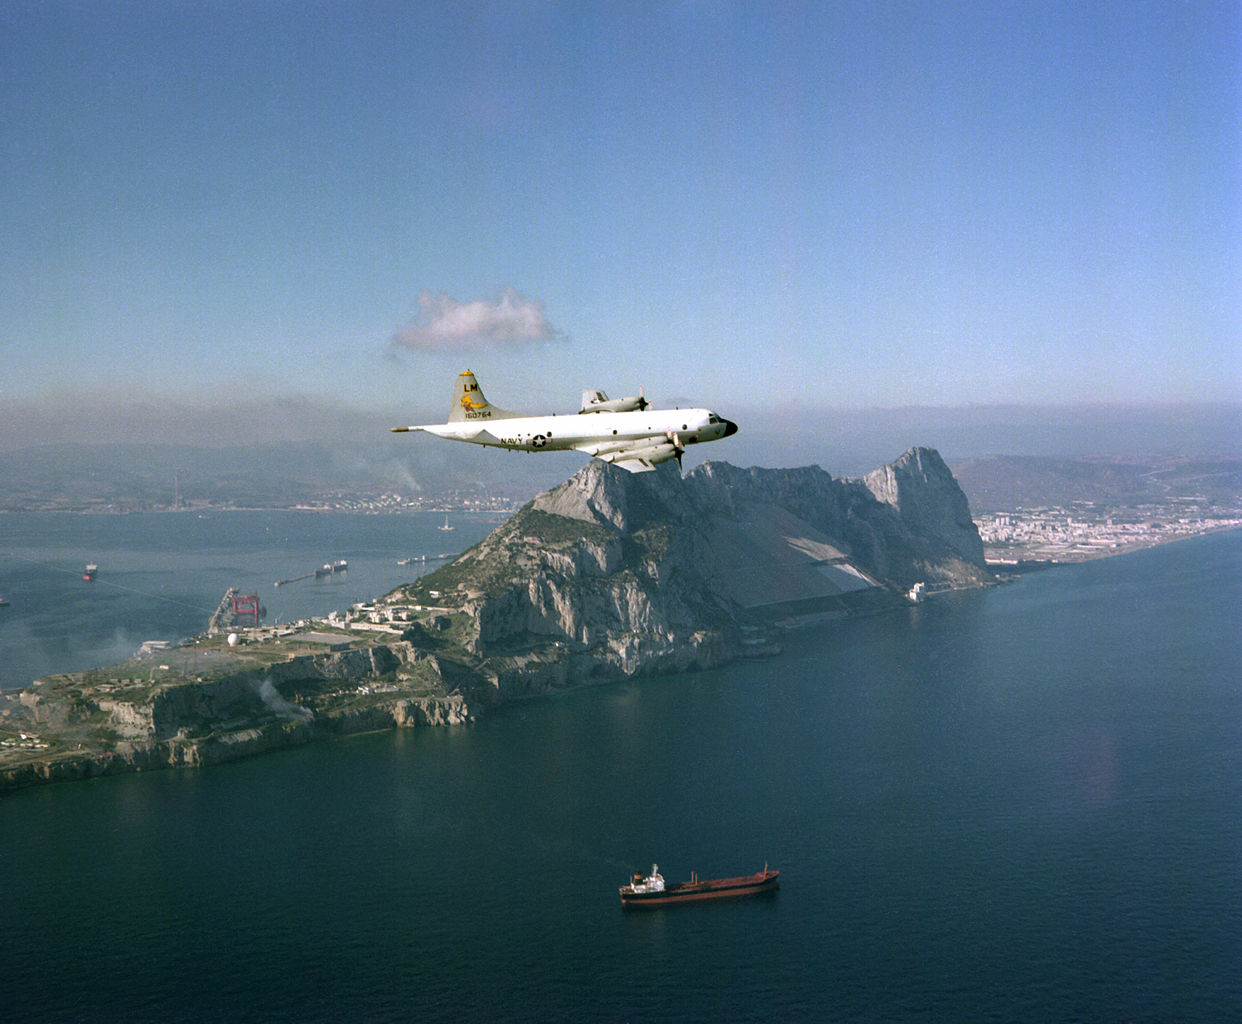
<point x="274" y="221"/>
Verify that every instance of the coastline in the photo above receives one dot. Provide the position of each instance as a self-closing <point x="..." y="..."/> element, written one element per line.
<point x="538" y="674"/>
<point x="607" y="577"/>
<point x="448" y="691"/>
<point x="91" y="724"/>
<point x="1034" y="557"/>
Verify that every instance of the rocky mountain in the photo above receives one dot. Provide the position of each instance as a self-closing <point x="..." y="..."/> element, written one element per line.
<point x="921" y="489"/>
<point x="662" y="566"/>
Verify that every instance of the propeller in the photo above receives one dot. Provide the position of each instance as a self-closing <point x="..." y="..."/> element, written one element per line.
<point x="679" y="449"/>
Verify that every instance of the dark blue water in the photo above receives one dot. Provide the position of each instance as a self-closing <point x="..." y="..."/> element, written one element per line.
<point x="1018" y="804"/>
<point x="161" y="575"/>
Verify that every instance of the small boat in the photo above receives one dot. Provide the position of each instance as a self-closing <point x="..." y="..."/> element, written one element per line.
<point x="90" y="572"/>
<point x="650" y="891"/>
<point x="446" y="525"/>
<point x="4" y="602"/>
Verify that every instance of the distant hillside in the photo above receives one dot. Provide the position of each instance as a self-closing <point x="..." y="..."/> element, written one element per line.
<point x="999" y="483"/>
<point x="128" y="477"/>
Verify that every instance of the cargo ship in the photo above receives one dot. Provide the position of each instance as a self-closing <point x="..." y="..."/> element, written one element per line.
<point x="650" y="891"/>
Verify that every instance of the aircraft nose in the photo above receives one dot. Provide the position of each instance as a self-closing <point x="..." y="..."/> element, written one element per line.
<point x="730" y="428"/>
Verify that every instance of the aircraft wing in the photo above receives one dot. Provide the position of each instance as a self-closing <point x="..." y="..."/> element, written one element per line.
<point x="635" y="464"/>
<point x="638" y="456"/>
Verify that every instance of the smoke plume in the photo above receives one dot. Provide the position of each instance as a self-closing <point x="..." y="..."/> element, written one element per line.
<point x="278" y="705"/>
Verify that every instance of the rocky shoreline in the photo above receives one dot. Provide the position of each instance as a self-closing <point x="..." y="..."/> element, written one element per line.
<point x="606" y="577"/>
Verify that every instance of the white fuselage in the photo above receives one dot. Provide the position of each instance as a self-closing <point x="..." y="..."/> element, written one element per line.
<point x="594" y="433"/>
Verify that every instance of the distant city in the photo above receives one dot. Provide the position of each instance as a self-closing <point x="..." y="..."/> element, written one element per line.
<point x="1070" y="510"/>
<point x="442" y="501"/>
<point x="1085" y="530"/>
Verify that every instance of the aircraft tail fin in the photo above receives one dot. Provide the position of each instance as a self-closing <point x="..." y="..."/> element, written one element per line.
<point x="470" y="404"/>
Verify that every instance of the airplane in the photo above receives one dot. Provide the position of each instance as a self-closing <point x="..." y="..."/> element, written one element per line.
<point x="625" y="432"/>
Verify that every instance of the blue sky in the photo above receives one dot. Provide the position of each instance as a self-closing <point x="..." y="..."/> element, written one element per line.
<point x="750" y="206"/>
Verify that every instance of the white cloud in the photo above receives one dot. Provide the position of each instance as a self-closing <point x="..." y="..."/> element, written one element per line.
<point x="446" y="324"/>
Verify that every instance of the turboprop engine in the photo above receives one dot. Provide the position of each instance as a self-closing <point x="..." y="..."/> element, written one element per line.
<point x="597" y="401"/>
<point x="660" y="451"/>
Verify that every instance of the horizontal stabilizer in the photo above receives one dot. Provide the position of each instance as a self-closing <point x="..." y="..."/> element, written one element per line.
<point x="453" y="432"/>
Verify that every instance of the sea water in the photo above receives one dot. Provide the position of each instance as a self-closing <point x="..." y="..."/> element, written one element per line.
<point x="162" y="574"/>
<point x="1014" y="804"/>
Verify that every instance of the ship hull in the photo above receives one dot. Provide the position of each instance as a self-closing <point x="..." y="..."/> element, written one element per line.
<point x="698" y="892"/>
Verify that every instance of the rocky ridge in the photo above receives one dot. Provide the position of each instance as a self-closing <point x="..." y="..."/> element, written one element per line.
<point x="614" y="574"/>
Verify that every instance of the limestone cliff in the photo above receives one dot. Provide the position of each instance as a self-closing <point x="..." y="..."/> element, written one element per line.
<point x="639" y="568"/>
<point x="246" y="706"/>
<point x="923" y="492"/>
